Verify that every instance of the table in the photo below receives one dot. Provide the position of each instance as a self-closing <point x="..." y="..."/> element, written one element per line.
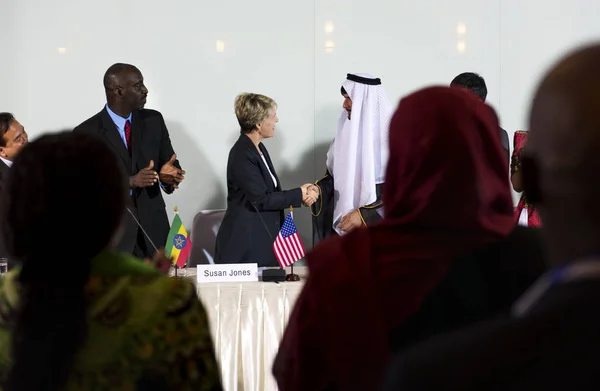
<point x="247" y="322"/>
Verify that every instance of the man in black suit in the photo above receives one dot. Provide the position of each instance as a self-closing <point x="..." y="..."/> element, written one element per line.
<point x="141" y="142"/>
<point x="476" y="84"/>
<point x="551" y="340"/>
<point x="12" y="138"/>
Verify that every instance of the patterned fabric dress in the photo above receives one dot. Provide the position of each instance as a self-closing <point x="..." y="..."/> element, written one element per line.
<point x="525" y="213"/>
<point x="145" y="331"/>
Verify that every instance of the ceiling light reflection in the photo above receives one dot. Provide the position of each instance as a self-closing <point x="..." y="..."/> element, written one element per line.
<point x="329" y="27"/>
<point x="329" y="45"/>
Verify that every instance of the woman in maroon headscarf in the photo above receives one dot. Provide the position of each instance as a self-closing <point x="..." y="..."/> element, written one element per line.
<point x="444" y="255"/>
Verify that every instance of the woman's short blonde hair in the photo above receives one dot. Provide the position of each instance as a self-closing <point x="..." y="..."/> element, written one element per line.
<point x="252" y="109"/>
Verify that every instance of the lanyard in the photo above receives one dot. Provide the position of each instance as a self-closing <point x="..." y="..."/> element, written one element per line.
<point x="581" y="270"/>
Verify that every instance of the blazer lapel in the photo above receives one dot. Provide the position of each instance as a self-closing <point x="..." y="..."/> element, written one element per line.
<point x="112" y="134"/>
<point x="270" y="164"/>
<point x="245" y="140"/>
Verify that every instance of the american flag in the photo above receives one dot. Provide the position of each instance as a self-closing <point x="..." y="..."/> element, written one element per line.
<point x="288" y="246"/>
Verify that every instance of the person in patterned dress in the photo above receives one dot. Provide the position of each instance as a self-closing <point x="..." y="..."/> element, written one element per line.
<point x="76" y="315"/>
<point x="526" y="214"/>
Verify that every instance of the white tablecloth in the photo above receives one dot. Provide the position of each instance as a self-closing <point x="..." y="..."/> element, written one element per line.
<point x="247" y="322"/>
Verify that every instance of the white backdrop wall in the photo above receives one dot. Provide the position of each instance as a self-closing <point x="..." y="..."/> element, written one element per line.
<point x="197" y="55"/>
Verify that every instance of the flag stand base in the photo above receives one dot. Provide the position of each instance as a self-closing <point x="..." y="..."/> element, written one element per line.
<point x="176" y="269"/>
<point x="292" y="276"/>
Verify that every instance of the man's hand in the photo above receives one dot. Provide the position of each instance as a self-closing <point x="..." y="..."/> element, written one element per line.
<point x="145" y="177"/>
<point x="171" y="175"/>
<point x="351" y="221"/>
<point x="310" y="194"/>
<point x="160" y="261"/>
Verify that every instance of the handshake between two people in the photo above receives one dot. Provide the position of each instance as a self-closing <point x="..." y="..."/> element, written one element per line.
<point x="310" y="194"/>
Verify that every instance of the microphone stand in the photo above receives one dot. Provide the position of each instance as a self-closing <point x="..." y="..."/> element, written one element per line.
<point x="148" y="237"/>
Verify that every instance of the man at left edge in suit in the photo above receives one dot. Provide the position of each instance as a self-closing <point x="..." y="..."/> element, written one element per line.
<point x="141" y="142"/>
<point x="12" y="138"/>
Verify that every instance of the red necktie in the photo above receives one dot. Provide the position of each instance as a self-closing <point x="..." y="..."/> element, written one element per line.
<point x="128" y="135"/>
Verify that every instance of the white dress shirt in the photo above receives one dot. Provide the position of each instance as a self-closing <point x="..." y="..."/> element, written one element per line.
<point x="6" y="161"/>
<point x="268" y="169"/>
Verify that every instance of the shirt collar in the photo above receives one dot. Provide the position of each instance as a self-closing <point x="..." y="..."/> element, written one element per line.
<point x="117" y="119"/>
<point x="6" y="161"/>
<point x="585" y="269"/>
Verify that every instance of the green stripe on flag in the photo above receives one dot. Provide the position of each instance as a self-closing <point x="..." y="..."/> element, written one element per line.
<point x="175" y="225"/>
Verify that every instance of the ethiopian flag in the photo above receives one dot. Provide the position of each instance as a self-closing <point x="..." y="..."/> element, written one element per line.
<point x="178" y="244"/>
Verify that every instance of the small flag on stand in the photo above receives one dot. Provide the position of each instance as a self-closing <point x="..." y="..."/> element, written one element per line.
<point x="288" y="246"/>
<point x="178" y="245"/>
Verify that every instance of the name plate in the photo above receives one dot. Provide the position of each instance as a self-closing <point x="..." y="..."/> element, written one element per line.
<point x="229" y="272"/>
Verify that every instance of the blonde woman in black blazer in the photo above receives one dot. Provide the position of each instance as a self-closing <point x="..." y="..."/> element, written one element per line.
<point x="255" y="199"/>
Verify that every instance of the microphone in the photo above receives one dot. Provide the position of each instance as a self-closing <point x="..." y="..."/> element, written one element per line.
<point x="142" y="228"/>
<point x="253" y="203"/>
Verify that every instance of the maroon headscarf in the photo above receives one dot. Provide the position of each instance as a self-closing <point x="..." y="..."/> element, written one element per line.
<point x="446" y="195"/>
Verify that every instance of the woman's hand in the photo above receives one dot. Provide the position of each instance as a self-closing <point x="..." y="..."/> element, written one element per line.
<point x="310" y="194"/>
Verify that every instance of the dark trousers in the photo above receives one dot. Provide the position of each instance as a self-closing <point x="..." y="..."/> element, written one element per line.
<point x="141" y="249"/>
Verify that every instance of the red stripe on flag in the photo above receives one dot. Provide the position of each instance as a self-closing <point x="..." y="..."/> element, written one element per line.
<point x="298" y="246"/>
<point x="280" y="252"/>
<point x="184" y="253"/>
<point x="288" y="250"/>
<point x="277" y="251"/>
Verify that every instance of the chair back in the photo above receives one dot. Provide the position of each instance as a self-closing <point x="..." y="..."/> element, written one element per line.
<point x="204" y="235"/>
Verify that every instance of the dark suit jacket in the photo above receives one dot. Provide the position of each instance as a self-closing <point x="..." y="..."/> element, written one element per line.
<point x="255" y="207"/>
<point x="4" y="169"/>
<point x="3" y="174"/>
<point x="554" y="346"/>
<point x="150" y="141"/>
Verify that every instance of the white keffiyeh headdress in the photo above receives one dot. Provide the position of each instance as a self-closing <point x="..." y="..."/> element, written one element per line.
<point x="358" y="156"/>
